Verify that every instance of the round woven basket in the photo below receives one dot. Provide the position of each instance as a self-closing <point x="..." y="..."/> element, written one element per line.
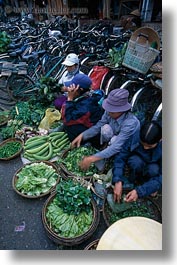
<point x="70" y="241"/>
<point x="151" y="34"/>
<point x="9" y="141"/>
<point x="4" y="119"/>
<point x="148" y="202"/>
<point x="15" y="178"/>
<point x="92" y="245"/>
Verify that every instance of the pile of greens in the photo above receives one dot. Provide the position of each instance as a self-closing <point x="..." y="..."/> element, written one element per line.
<point x="9" y="149"/>
<point x="139" y="208"/>
<point x="70" y="213"/>
<point x="4" y="42"/>
<point x="74" y="157"/>
<point x="29" y="113"/>
<point x="36" y="178"/>
<point x="48" y="88"/>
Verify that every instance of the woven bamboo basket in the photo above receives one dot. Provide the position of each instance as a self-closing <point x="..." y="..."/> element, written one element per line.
<point x="15" y="178"/>
<point x="4" y="119"/>
<point x="9" y="141"/>
<point x="70" y="241"/>
<point x="92" y="245"/>
<point x="147" y="202"/>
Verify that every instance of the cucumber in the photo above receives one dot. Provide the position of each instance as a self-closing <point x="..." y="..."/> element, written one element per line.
<point x="37" y="137"/>
<point x="47" y="157"/>
<point x="44" y="151"/>
<point x="34" y="144"/>
<point x="37" y="149"/>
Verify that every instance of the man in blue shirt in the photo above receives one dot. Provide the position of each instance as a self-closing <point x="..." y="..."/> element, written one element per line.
<point x="116" y="127"/>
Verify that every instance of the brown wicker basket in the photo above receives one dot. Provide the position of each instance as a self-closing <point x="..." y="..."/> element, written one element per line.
<point x="152" y="206"/>
<point x="70" y="241"/>
<point x="4" y="119"/>
<point x="9" y="141"/>
<point x="15" y="177"/>
<point x="92" y="245"/>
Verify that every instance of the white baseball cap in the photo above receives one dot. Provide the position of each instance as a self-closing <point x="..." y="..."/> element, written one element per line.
<point x="71" y="59"/>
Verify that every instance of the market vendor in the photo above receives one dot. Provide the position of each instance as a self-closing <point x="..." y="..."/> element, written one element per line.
<point x="81" y="109"/>
<point x="144" y="162"/>
<point x="117" y="126"/>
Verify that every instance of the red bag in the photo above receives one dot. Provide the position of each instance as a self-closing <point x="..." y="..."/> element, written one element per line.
<point x="97" y="75"/>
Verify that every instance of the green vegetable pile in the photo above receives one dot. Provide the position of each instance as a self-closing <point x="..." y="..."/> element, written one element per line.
<point x="36" y="178"/>
<point x="29" y="113"/>
<point x="9" y="149"/>
<point x="48" y="86"/>
<point x="139" y="208"/>
<point x="4" y="41"/>
<point x="117" y="55"/>
<point x="73" y="158"/>
<point x="70" y="213"/>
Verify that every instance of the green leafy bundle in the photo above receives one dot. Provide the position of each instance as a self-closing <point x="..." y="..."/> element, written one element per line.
<point x="72" y="197"/>
<point x="68" y="225"/>
<point x="36" y="179"/>
<point x="48" y="88"/>
<point x="4" y="42"/>
<point x="74" y="156"/>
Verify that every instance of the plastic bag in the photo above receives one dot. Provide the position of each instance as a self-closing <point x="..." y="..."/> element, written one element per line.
<point x="97" y="75"/>
<point x="51" y="115"/>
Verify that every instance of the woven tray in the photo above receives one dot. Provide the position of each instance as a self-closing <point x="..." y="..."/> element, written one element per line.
<point x="15" y="154"/>
<point x="15" y="178"/>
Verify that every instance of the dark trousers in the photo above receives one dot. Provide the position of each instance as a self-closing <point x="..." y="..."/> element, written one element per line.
<point x="140" y="170"/>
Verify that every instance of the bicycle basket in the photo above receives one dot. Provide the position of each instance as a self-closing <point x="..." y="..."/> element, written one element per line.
<point x="140" y="54"/>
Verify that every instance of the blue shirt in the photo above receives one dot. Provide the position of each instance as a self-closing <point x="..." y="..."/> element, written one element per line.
<point x="126" y="128"/>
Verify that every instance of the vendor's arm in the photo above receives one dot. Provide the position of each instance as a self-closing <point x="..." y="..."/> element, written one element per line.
<point x="149" y="187"/>
<point x="89" y="133"/>
<point x="118" y="171"/>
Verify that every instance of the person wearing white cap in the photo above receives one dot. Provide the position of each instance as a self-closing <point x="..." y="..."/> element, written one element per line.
<point x="72" y="68"/>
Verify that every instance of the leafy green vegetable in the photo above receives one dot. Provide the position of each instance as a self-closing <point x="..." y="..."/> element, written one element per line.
<point x="9" y="149"/>
<point x="74" y="156"/>
<point x="36" y="178"/>
<point x="72" y="197"/>
<point x="65" y="224"/>
<point x="4" y="41"/>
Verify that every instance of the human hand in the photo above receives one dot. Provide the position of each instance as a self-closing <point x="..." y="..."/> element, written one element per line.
<point x="118" y="191"/>
<point x="77" y="141"/>
<point x="72" y="92"/>
<point x="86" y="162"/>
<point x="132" y="196"/>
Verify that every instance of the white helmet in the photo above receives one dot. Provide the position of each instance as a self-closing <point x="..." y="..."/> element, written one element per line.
<point x="71" y="59"/>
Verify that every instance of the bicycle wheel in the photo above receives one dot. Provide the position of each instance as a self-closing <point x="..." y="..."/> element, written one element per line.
<point x="53" y="67"/>
<point x="21" y="87"/>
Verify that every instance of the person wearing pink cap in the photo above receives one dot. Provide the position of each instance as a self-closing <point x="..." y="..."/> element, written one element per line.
<point x="117" y="126"/>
